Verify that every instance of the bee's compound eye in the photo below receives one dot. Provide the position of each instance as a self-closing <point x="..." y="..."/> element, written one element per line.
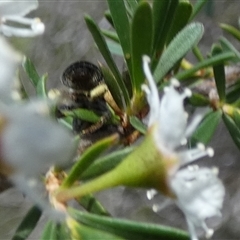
<point x="82" y="75"/>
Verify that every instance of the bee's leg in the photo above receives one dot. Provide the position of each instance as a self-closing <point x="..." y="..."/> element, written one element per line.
<point x="96" y="126"/>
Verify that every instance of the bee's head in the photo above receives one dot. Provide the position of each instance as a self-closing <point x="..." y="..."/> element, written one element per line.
<point x="82" y="76"/>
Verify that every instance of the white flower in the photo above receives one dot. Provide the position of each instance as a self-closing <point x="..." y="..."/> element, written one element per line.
<point x="198" y="191"/>
<point x="30" y="144"/>
<point x="9" y="62"/>
<point x="200" y="196"/>
<point x="13" y="12"/>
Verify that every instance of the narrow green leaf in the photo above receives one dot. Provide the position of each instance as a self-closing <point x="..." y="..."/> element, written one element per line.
<point x="226" y="44"/>
<point x="163" y="12"/>
<point x="232" y="129"/>
<point x="178" y="47"/>
<point x="129" y="229"/>
<point x="67" y="122"/>
<point x="197" y="53"/>
<point x="84" y="114"/>
<point x="115" y="48"/>
<point x="141" y="42"/>
<point x="220" y="58"/>
<point x="181" y="18"/>
<point x="133" y="4"/>
<point x="207" y="128"/>
<point x="108" y="16"/>
<point x="49" y="231"/>
<point x="122" y="26"/>
<point x="219" y="73"/>
<point x="113" y="86"/>
<point x="63" y="232"/>
<point x="197" y="7"/>
<point x="232" y="30"/>
<point x="199" y="100"/>
<point x="102" y="45"/>
<point x="41" y="86"/>
<point x="92" y="205"/>
<point x="138" y="125"/>
<point x="106" y="163"/>
<point x="236" y="117"/>
<point x="110" y="35"/>
<point x="31" y="71"/>
<point x="28" y="224"/>
<point x="22" y="90"/>
<point x="88" y="233"/>
<point x="87" y="158"/>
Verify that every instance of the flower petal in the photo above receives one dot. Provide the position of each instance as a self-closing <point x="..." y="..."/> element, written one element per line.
<point x="17" y="7"/>
<point x="151" y="92"/>
<point x="9" y="61"/>
<point x="34" y="27"/>
<point x="200" y="195"/>
<point x="173" y="118"/>
<point x="31" y="143"/>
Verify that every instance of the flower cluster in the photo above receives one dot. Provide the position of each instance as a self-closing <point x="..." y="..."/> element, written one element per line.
<point x="31" y="141"/>
<point x="197" y="190"/>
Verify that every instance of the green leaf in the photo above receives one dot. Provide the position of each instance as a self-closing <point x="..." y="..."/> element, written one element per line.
<point x="207" y="128"/>
<point x="141" y="42"/>
<point x="216" y="60"/>
<point x="138" y="125"/>
<point x="67" y="122"/>
<point x="115" y="48"/>
<point x="197" y="7"/>
<point x="106" y="163"/>
<point x="113" y="86"/>
<point x="180" y="20"/>
<point x="22" y="90"/>
<point x="110" y="35"/>
<point x="55" y="231"/>
<point x="41" y="86"/>
<point x="87" y="158"/>
<point x="197" y="53"/>
<point x="163" y="12"/>
<point x="122" y="26"/>
<point x="133" y="4"/>
<point x="178" y="47"/>
<point x="63" y="232"/>
<point x="232" y="30"/>
<point x="28" y="224"/>
<point x="108" y="16"/>
<point x="219" y="73"/>
<point x="129" y="229"/>
<point x="49" y="231"/>
<point x="236" y="117"/>
<point x="84" y="114"/>
<point x="87" y="233"/>
<point x="233" y="129"/>
<point x="102" y="45"/>
<point x="226" y="44"/>
<point x="92" y="205"/>
<point x="199" y="100"/>
<point x="31" y="71"/>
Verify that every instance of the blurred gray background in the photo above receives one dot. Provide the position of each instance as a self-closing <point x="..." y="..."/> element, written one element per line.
<point x="66" y="40"/>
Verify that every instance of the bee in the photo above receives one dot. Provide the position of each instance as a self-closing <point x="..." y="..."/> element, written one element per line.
<point x="85" y="88"/>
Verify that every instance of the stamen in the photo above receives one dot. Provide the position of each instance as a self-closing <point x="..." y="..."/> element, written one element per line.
<point x="146" y="89"/>
<point x="151" y="193"/>
<point x="192" y="155"/>
<point x="187" y="93"/>
<point x="215" y="171"/>
<point x="209" y="232"/>
<point x="210" y="152"/>
<point x="175" y="82"/>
